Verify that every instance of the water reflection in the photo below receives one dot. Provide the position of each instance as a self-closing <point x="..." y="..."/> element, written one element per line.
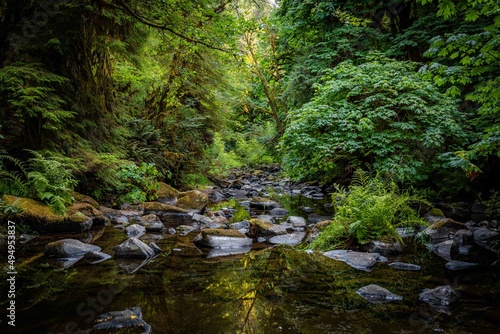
<point x="278" y="290"/>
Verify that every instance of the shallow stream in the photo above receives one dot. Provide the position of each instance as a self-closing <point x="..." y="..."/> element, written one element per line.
<point x="269" y="290"/>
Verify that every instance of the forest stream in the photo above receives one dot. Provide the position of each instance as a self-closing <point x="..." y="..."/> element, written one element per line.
<point x="268" y="288"/>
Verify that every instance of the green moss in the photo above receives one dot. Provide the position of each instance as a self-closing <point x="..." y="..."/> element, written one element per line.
<point x="223" y="232"/>
<point x="85" y="199"/>
<point x="167" y="191"/>
<point x="447" y="222"/>
<point x="192" y="200"/>
<point x="84" y="208"/>
<point x="436" y="212"/>
<point x="157" y="206"/>
<point x="34" y="210"/>
<point x="263" y="225"/>
<point x="323" y="224"/>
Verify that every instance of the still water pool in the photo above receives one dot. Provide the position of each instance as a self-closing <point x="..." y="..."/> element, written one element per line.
<point x="269" y="290"/>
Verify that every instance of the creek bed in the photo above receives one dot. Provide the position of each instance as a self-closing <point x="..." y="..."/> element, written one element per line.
<point x="269" y="290"/>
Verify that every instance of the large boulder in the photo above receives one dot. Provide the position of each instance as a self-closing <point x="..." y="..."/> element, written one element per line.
<point x="193" y="201"/>
<point x="167" y="194"/>
<point x="152" y="223"/>
<point x="69" y="248"/>
<point x="448" y="249"/>
<point x="135" y="230"/>
<point x="222" y="238"/>
<point x="40" y="217"/>
<point x="134" y="248"/>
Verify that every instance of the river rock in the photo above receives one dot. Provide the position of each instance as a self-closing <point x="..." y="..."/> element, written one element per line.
<point x="439" y="298"/>
<point x="93" y="257"/>
<point x="131" y="317"/>
<point x="133" y="248"/>
<point x="167" y="194"/>
<point x="447" y="249"/>
<point x="260" y="228"/>
<point x="68" y="248"/>
<point x="152" y="223"/>
<point x="487" y="239"/>
<point x="405" y="266"/>
<point x="297" y="221"/>
<point x="376" y="294"/>
<point x="384" y="248"/>
<point x="135" y="230"/>
<point x="462" y="237"/>
<point x="266" y="218"/>
<point x="263" y="204"/>
<point x="222" y="239"/>
<point x="291" y="239"/>
<point x="193" y="201"/>
<point x="245" y="224"/>
<point x="184" y="229"/>
<point x="442" y="230"/>
<point x="459" y="265"/>
<point x="278" y="212"/>
<point x="361" y="261"/>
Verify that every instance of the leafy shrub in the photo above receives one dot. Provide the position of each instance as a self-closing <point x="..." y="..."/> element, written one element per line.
<point x="381" y="113"/>
<point x="137" y="184"/>
<point x="370" y="209"/>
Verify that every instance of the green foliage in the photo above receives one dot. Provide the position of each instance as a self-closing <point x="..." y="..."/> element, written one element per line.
<point x="370" y="209"/>
<point x="466" y="60"/>
<point x="137" y="184"/>
<point x="45" y="177"/>
<point x="381" y="113"/>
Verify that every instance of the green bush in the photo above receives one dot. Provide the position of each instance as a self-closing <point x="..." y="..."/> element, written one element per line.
<point x="380" y="113"/>
<point x="370" y="209"/>
<point x="137" y="184"/>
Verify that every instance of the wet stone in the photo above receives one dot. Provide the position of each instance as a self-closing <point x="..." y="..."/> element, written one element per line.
<point x="460" y="265"/>
<point x="131" y="317"/>
<point x="376" y="294"/>
<point x="440" y="298"/>
<point x="288" y="239"/>
<point x="405" y="266"/>
<point x="361" y="261"/>
<point x="133" y="248"/>
<point x="67" y="248"/>
<point x="135" y="230"/>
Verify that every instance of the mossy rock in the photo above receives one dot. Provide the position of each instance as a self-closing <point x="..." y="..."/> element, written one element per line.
<point x="223" y="232"/>
<point x="447" y="222"/>
<point x="83" y="207"/>
<point x="80" y="198"/>
<point x="436" y="212"/>
<point x="160" y="207"/>
<point x="167" y="191"/>
<point x="40" y="217"/>
<point x="261" y="224"/>
<point x="323" y="224"/>
<point x="192" y="200"/>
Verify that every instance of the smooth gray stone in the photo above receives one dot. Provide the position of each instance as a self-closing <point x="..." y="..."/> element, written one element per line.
<point x="135" y="230"/>
<point x="460" y="265"/>
<point x="447" y="249"/>
<point x="405" y="266"/>
<point x="291" y="239"/>
<point x="133" y="248"/>
<point x="440" y="298"/>
<point x="68" y="248"/>
<point x="376" y="294"/>
<point x="297" y="221"/>
<point x="361" y="261"/>
<point x="223" y="242"/>
<point x="278" y="212"/>
<point x="212" y="253"/>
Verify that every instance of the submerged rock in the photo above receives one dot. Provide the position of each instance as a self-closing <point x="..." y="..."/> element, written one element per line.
<point x="460" y="265"/>
<point x="376" y="294"/>
<point x="220" y="252"/>
<point x="68" y="248"/>
<point x="384" y="248"/>
<point x="131" y="317"/>
<point x="405" y="266"/>
<point x="134" y="248"/>
<point x="440" y="298"/>
<point x="222" y="239"/>
<point x="361" y="261"/>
